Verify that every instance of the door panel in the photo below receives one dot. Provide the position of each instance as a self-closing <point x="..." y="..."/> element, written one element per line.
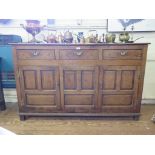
<point x="79" y="99"/>
<point x="70" y="80"/>
<point x="39" y="100"/>
<point x="30" y="79"/>
<point x="118" y="88"/>
<point x="115" y="100"/>
<point x="127" y="79"/>
<point x="48" y="80"/>
<point x="109" y="80"/>
<point x="41" y="90"/>
<point x="79" y="87"/>
<point x="87" y="80"/>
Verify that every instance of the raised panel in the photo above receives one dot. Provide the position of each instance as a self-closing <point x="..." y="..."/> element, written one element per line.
<point x="87" y="80"/>
<point x="120" y="85"/>
<point x="40" y="99"/>
<point x="127" y="79"/>
<point x="79" y="100"/>
<point x="109" y="80"/>
<point x="118" y="78"/>
<point x="48" y="80"/>
<point x="70" y="79"/>
<point x="46" y="95"/>
<point x="30" y="78"/>
<point x="80" y="92"/>
<point x="116" y="100"/>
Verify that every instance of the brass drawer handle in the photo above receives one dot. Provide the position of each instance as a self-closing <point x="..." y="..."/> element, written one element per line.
<point x="78" y="48"/>
<point x="78" y="53"/>
<point x="124" y="53"/>
<point x="35" y="53"/>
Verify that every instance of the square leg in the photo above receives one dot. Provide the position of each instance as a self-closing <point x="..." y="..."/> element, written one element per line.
<point x="22" y="117"/>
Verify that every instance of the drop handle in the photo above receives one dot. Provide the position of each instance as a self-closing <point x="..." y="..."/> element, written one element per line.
<point x="36" y="53"/>
<point x="78" y="48"/>
<point x="78" y="53"/>
<point x="123" y="53"/>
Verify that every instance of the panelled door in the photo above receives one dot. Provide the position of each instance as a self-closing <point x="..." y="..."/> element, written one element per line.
<point x="79" y="88"/>
<point x="41" y="90"/>
<point x="118" y="88"/>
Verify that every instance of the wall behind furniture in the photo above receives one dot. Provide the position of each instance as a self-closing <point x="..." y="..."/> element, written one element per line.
<point x="149" y="81"/>
<point x="101" y="26"/>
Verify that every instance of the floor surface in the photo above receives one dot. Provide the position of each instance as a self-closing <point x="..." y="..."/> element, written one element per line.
<point x="9" y="119"/>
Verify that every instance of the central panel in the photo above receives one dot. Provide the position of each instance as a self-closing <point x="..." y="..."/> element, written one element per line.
<point x="79" y="85"/>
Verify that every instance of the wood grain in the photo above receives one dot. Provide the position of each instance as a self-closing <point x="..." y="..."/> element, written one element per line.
<point x="90" y="78"/>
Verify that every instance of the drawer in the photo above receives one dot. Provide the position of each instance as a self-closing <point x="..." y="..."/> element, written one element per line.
<point x="79" y="54"/>
<point x="122" y="54"/>
<point x="35" y="54"/>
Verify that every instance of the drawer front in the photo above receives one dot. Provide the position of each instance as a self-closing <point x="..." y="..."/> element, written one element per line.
<point x="122" y="54"/>
<point x="79" y="54"/>
<point x="36" y="54"/>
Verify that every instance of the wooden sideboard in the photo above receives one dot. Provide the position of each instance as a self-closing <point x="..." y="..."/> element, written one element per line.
<point x="2" y="101"/>
<point x="79" y="79"/>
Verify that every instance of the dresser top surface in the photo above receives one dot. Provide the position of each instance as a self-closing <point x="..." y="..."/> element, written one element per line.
<point x="76" y="44"/>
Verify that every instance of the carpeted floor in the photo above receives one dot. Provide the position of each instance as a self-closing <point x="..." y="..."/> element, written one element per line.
<point x="78" y="126"/>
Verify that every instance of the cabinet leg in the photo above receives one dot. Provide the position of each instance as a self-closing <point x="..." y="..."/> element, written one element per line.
<point x="136" y="118"/>
<point x="22" y="117"/>
<point x="153" y="118"/>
